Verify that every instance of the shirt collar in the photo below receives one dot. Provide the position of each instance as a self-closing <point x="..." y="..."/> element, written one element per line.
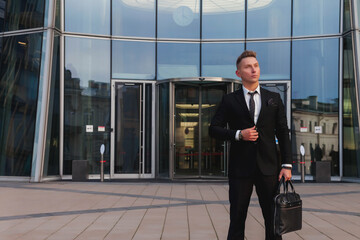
<point x="246" y="90"/>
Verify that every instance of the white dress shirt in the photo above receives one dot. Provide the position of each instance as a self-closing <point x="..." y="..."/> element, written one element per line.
<point x="257" y="100"/>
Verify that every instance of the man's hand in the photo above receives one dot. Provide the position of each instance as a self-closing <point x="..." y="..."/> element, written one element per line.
<point x="249" y="134"/>
<point x="286" y="173"/>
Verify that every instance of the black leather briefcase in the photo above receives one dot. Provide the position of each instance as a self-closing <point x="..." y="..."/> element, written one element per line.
<point x="288" y="209"/>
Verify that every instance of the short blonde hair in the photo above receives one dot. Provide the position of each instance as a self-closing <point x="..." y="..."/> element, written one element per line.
<point x="245" y="54"/>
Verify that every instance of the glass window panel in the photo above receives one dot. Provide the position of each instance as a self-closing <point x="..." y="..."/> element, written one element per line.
<point x="126" y="20"/>
<point x="148" y="127"/>
<point x="219" y="59"/>
<point x="315" y="87"/>
<point x="20" y="70"/>
<point x="86" y="101"/>
<point x="269" y="18"/>
<point x="2" y="14"/>
<point x="351" y="152"/>
<point x="164" y="134"/>
<point x="22" y="14"/>
<point x="177" y="60"/>
<point x="274" y="59"/>
<point x="316" y="17"/>
<point x="87" y="16"/>
<point x="128" y="127"/>
<point x="133" y="59"/>
<point x="347" y="16"/>
<point x="178" y="19"/>
<point x="51" y="159"/>
<point x="57" y="14"/>
<point x="218" y="18"/>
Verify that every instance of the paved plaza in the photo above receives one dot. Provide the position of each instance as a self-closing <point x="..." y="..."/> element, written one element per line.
<point x="162" y="210"/>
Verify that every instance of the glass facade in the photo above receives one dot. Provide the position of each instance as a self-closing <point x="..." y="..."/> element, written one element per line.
<point x="20" y="70"/>
<point x="269" y="19"/>
<point x="178" y="60"/>
<point x="274" y="59"/>
<point x="315" y="102"/>
<point x="86" y="100"/>
<point x="218" y="20"/>
<point x="126" y="20"/>
<point x="18" y="15"/>
<point x="178" y="19"/>
<point x="316" y="17"/>
<point x="350" y="116"/>
<point x="137" y="44"/>
<point x="52" y="149"/>
<point x="218" y="59"/>
<point x="87" y="16"/>
<point x="133" y="60"/>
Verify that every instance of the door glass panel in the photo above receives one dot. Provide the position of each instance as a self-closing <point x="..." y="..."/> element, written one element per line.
<point x="186" y="130"/>
<point x="148" y="128"/>
<point x="127" y="127"/>
<point x="213" y="151"/>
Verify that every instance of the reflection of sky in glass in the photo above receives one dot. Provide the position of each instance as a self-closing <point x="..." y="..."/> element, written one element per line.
<point x="177" y="60"/>
<point x="314" y="17"/>
<point x="87" y="16"/>
<point x="315" y="69"/>
<point x="274" y="59"/>
<point x="213" y="6"/>
<point x="126" y="20"/>
<point x="219" y="59"/>
<point x="223" y="22"/>
<point x="271" y="20"/>
<point x="88" y="59"/>
<point x="179" y="19"/>
<point x="133" y="60"/>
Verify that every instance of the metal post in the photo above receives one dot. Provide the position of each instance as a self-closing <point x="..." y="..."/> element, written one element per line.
<point x="102" y="168"/>
<point x="102" y="150"/>
<point x="302" y="162"/>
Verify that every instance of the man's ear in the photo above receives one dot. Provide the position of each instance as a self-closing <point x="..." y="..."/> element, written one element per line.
<point x="237" y="72"/>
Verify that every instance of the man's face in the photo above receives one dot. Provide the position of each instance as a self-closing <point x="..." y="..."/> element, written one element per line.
<point x="249" y="70"/>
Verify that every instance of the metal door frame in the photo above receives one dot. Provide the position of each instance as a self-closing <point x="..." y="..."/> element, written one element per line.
<point x="141" y="173"/>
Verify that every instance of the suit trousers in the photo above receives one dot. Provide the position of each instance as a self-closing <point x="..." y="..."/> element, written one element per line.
<point x="240" y="190"/>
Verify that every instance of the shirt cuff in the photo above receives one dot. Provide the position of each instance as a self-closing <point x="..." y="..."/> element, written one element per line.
<point x="289" y="166"/>
<point x="237" y="137"/>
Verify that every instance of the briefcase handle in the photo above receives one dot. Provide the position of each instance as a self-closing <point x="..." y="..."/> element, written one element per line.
<point x="285" y="185"/>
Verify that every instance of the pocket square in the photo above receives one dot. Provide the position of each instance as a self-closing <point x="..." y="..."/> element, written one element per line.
<point x="271" y="102"/>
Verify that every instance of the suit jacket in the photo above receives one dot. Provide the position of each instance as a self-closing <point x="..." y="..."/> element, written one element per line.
<point x="246" y="155"/>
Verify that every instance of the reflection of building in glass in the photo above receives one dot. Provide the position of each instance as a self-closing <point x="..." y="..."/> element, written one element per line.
<point x="315" y="126"/>
<point x="85" y="106"/>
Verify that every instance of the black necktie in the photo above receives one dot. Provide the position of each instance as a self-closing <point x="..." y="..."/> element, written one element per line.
<point x="252" y="105"/>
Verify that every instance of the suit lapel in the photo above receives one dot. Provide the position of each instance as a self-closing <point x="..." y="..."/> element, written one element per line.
<point x="264" y="100"/>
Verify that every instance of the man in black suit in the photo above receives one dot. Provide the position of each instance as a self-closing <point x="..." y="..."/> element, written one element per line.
<point x="254" y="117"/>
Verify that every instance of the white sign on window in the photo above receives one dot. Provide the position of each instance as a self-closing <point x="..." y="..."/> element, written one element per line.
<point x="318" y="129"/>
<point x="89" y="128"/>
<point x="303" y="129"/>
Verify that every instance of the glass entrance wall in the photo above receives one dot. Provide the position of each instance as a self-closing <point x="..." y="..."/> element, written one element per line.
<point x="213" y="152"/>
<point x="186" y="130"/>
<point x="185" y="148"/>
<point x="128" y="105"/>
<point x="132" y="123"/>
